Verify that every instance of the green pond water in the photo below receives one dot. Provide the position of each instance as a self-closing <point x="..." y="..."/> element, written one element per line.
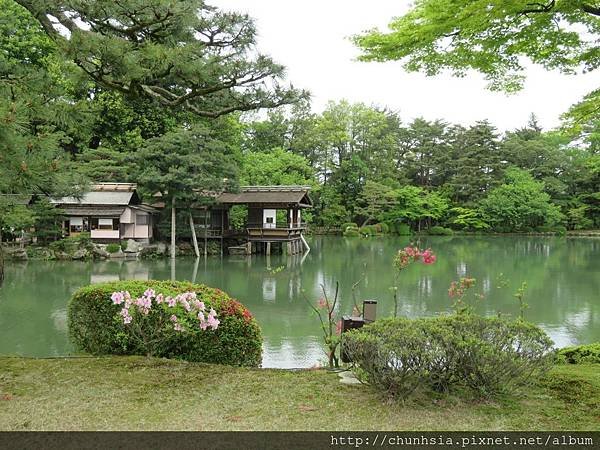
<point x="562" y="275"/>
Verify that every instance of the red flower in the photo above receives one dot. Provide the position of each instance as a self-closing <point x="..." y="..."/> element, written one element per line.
<point x="428" y="257"/>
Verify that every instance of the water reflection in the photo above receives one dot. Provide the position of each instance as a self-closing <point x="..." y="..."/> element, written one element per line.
<point x="562" y="276"/>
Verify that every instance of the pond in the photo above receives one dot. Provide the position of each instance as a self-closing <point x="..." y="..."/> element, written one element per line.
<point x="562" y="276"/>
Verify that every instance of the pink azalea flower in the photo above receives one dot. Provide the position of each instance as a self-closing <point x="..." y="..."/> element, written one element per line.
<point x="117" y="298"/>
<point x="199" y="305"/>
<point x="159" y="299"/>
<point x="322" y="303"/>
<point x="213" y="323"/>
<point x="413" y="252"/>
<point x="150" y="293"/>
<point x="186" y="305"/>
<point x="428" y="257"/>
<point x="171" y="301"/>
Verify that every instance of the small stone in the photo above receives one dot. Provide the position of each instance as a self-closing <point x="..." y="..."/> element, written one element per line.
<point x="348" y="377"/>
<point x="80" y="254"/>
<point x="132" y="246"/>
<point x="99" y="252"/>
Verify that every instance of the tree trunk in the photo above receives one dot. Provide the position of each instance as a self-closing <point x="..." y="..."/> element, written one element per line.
<point x="196" y="249"/>
<point x="173" y="227"/>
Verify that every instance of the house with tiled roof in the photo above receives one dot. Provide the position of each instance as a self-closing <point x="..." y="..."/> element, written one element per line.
<point x="109" y="212"/>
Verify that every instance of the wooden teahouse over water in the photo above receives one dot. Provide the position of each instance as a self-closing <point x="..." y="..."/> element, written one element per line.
<point x="264" y="226"/>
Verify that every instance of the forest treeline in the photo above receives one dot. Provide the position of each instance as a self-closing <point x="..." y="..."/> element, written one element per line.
<point x="65" y="124"/>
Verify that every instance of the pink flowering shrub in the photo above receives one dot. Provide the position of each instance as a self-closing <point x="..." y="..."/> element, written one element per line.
<point x="164" y="319"/>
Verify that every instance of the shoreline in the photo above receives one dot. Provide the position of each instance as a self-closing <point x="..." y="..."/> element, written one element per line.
<point x="160" y="250"/>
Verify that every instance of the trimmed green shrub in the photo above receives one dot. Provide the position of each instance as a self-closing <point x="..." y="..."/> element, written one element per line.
<point x="72" y="243"/>
<point x="400" y="228"/>
<point x="96" y="327"/>
<point x="440" y="231"/>
<point x="113" y="248"/>
<point x="486" y="355"/>
<point x="349" y="225"/>
<point x="383" y="228"/>
<point x="351" y="232"/>
<point x="559" y="230"/>
<point x="368" y="230"/>
<point x="580" y="354"/>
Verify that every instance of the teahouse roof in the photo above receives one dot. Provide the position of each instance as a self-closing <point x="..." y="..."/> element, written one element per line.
<point x="121" y="194"/>
<point x="265" y="195"/>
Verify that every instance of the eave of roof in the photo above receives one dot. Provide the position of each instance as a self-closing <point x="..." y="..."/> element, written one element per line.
<point x="93" y="211"/>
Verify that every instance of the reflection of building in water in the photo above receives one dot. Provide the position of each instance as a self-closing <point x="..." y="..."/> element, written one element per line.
<point x="103" y="278"/>
<point x="134" y="270"/>
<point x="425" y="285"/>
<point x="269" y="289"/>
<point x="486" y="285"/>
<point x="107" y="271"/>
<point x="461" y="269"/>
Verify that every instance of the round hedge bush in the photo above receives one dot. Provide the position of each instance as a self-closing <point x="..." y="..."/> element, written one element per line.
<point x="96" y="327"/>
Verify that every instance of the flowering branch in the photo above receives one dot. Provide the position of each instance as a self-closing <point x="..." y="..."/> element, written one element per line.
<point x="405" y="258"/>
<point x="330" y="334"/>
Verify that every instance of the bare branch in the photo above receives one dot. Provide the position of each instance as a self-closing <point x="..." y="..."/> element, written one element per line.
<point x="538" y="7"/>
<point x="591" y="9"/>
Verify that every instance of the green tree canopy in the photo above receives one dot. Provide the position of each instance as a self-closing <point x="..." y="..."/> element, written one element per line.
<point x="182" y="54"/>
<point x="276" y="167"/>
<point x="35" y="109"/>
<point x="374" y="200"/>
<point x="182" y="164"/>
<point x="491" y="37"/>
<point x="413" y="204"/>
<point x="520" y="204"/>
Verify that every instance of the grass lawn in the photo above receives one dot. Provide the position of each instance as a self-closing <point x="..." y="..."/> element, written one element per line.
<point x="136" y="393"/>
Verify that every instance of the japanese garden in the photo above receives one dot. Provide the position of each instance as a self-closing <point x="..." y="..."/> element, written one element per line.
<point x="190" y="241"/>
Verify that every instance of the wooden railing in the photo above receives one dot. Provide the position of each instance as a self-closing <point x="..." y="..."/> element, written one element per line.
<point x="274" y="234"/>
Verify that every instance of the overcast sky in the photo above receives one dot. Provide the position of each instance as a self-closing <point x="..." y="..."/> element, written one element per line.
<point x="310" y="38"/>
